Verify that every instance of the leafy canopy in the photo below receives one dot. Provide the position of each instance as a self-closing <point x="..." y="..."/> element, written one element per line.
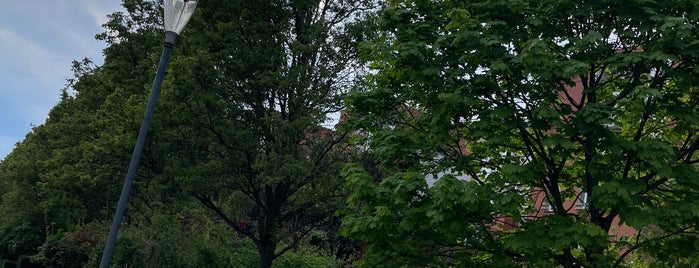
<point x="512" y="101"/>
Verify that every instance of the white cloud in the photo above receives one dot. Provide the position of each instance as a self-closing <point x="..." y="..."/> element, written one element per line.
<point x="99" y="10"/>
<point x="38" y="41"/>
<point x="25" y="55"/>
<point x="38" y="74"/>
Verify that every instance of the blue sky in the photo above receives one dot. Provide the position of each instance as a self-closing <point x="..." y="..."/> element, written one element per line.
<point x="38" y="41"/>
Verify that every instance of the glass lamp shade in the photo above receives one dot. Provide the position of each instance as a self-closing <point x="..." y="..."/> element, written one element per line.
<point x="177" y="14"/>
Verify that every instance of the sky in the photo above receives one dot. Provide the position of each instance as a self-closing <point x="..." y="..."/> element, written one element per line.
<point x="38" y="41"/>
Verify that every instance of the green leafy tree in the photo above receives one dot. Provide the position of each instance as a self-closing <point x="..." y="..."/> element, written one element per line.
<point x="35" y="204"/>
<point x="256" y="82"/>
<point x="89" y="134"/>
<point x="500" y="100"/>
<point x="239" y="129"/>
<point x="68" y="171"/>
<point x="22" y="225"/>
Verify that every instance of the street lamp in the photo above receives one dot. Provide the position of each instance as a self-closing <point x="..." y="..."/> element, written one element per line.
<point x="177" y="14"/>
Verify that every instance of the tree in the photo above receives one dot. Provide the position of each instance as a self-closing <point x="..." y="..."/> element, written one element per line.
<point x="67" y="171"/>
<point x="485" y="90"/>
<point x="22" y="225"/>
<point x="239" y="129"/>
<point x="39" y="202"/>
<point x="254" y="87"/>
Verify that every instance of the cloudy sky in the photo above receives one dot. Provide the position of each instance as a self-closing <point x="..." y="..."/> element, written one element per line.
<point x="38" y="41"/>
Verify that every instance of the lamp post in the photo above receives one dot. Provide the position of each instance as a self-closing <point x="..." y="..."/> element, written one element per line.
<point x="177" y="14"/>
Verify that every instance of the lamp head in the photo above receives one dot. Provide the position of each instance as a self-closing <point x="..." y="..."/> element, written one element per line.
<point x="177" y="14"/>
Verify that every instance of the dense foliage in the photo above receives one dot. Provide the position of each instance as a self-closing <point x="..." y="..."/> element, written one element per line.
<point x="476" y="115"/>
<point x="501" y="100"/>
<point x="239" y="168"/>
<point x="249" y="142"/>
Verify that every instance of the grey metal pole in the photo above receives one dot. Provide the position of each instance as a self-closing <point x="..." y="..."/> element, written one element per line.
<point x="136" y="156"/>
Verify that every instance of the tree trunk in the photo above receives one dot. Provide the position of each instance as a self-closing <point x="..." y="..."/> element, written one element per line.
<point x="266" y="252"/>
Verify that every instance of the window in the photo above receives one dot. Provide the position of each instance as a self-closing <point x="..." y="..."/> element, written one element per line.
<point x="546" y="207"/>
<point x="582" y="201"/>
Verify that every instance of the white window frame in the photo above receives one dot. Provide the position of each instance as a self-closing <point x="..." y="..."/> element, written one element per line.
<point x="546" y="207"/>
<point x="581" y="203"/>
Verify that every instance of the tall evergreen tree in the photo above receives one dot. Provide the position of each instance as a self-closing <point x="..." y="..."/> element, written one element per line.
<point x="239" y="129"/>
<point x="22" y="225"/>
